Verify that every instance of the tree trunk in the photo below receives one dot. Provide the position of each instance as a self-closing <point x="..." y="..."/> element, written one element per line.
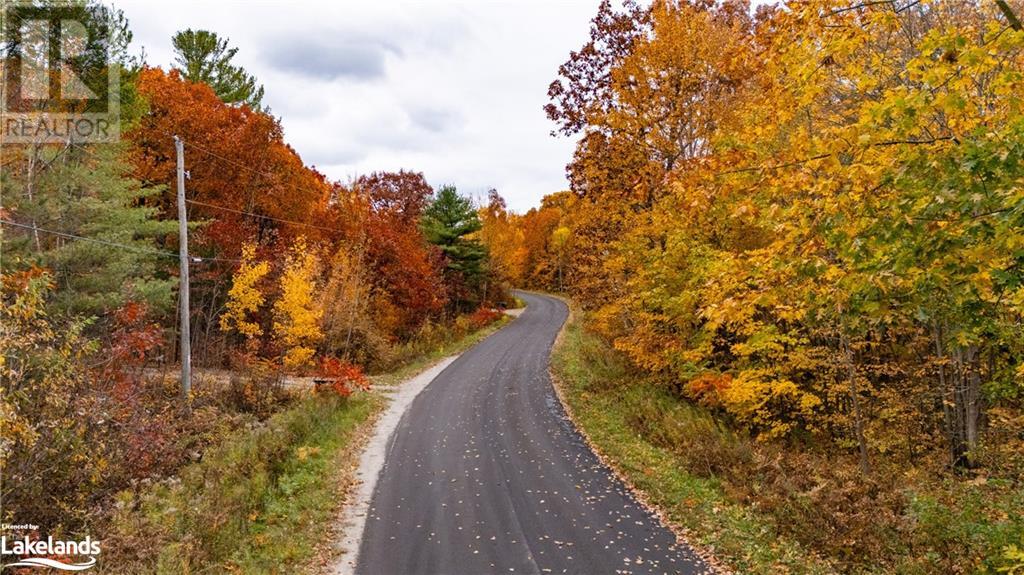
<point x="961" y="398"/>
<point x="1010" y="15"/>
<point x="971" y="396"/>
<point x="858" y="422"/>
<point x="29" y="183"/>
<point x="945" y="394"/>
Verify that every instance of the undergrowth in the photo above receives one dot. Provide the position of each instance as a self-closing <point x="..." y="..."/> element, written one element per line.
<point x="783" y="507"/>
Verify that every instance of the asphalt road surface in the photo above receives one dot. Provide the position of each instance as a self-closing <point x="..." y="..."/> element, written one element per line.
<point x="485" y="474"/>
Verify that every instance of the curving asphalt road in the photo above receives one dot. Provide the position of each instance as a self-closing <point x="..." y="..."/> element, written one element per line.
<point x="485" y="474"/>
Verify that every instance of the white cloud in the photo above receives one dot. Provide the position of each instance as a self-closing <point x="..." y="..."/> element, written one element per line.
<point x="455" y="90"/>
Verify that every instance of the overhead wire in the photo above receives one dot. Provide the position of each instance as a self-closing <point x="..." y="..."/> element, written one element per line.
<point x="109" y="243"/>
<point x="235" y="210"/>
<point x="164" y="253"/>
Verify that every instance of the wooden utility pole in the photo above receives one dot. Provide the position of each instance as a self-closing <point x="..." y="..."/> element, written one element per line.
<point x="186" y="336"/>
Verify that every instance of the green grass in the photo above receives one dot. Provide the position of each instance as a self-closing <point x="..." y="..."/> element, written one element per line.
<point x="296" y="511"/>
<point x="264" y="499"/>
<point x="259" y="502"/>
<point x="591" y="377"/>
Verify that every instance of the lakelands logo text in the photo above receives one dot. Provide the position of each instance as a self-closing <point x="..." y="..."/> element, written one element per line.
<point x="39" y="552"/>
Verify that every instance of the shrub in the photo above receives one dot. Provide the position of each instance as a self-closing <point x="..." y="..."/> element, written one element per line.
<point x="89" y="423"/>
<point x="342" y="378"/>
<point x="484" y="317"/>
<point x="256" y="386"/>
<point x="43" y="433"/>
<point x="896" y="519"/>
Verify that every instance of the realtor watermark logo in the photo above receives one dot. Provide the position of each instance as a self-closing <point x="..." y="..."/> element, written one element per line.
<point x="46" y="553"/>
<point x="58" y="81"/>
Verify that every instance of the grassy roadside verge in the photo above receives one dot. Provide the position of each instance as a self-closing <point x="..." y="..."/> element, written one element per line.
<point x="263" y="500"/>
<point x="591" y="377"/>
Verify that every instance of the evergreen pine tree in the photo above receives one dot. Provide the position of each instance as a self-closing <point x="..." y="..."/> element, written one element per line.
<point x="87" y="192"/>
<point x="450" y="222"/>
<point x="202" y="56"/>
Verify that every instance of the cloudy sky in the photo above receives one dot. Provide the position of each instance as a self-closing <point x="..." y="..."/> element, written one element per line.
<point x="452" y="89"/>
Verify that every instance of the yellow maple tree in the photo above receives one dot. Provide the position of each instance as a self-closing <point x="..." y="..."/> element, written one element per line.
<point x="244" y="297"/>
<point x="296" y="327"/>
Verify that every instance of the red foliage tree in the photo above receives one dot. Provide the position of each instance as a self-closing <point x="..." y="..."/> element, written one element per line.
<point x="382" y="212"/>
<point x="237" y="162"/>
<point x="399" y="196"/>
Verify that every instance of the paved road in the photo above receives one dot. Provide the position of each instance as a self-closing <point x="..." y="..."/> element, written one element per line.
<point x="485" y="474"/>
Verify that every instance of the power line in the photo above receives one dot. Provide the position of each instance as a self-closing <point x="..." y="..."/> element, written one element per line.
<point x="261" y="216"/>
<point x="91" y="153"/>
<point x="109" y="243"/>
<point x="234" y="210"/>
<point x="93" y="240"/>
<point x="235" y="163"/>
<point x="210" y="152"/>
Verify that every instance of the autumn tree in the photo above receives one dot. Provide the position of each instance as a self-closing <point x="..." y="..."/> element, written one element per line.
<point x="400" y="196"/>
<point x="583" y="86"/>
<point x="645" y="93"/>
<point x="246" y="184"/>
<point x="821" y="239"/>
<point x="296" y="325"/>
<point x="245" y="297"/>
<point x="406" y="269"/>
<point x="503" y="239"/>
<point x="244" y="179"/>
<point x="348" y="323"/>
<point x="540" y="263"/>
<point x="559" y="242"/>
